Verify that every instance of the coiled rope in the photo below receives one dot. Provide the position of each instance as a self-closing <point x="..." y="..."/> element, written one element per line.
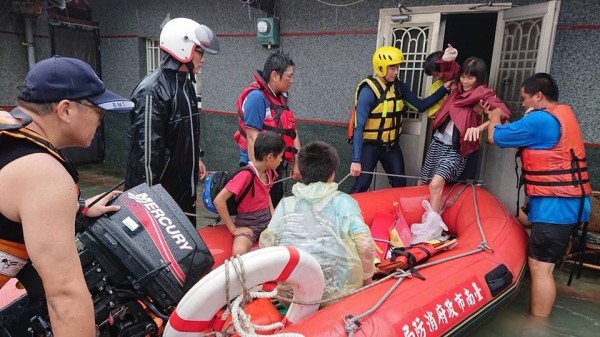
<point x="352" y="322"/>
<point x="241" y="321"/>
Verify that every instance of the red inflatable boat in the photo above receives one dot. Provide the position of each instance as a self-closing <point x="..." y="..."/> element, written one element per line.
<point x="462" y="286"/>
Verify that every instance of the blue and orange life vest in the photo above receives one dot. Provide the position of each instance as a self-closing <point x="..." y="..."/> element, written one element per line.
<point x="560" y="171"/>
<point x="280" y="119"/>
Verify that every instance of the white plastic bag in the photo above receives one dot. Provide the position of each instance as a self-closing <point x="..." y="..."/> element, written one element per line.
<point x="431" y="226"/>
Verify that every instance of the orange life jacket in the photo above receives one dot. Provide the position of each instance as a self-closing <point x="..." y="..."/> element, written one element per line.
<point x="280" y="118"/>
<point x="560" y="171"/>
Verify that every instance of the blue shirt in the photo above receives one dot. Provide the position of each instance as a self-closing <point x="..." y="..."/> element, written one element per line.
<point x="540" y="130"/>
<point x="255" y="108"/>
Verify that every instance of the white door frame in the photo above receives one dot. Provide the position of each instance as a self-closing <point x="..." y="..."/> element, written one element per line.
<point x="548" y="11"/>
<point x="414" y="125"/>
<point x="497" y="165"/>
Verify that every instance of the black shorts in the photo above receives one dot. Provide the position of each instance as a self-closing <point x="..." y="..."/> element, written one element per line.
<point x="548" y="242"/>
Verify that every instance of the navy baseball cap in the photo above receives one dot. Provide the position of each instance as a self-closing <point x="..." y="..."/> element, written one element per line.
<point x="58" y="78"/>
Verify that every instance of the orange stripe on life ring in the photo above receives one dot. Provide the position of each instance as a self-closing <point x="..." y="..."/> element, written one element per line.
<point x="291" y="265"/>
<point x="183" y="325"/>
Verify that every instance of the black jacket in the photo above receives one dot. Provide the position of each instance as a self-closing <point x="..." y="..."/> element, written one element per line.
<point x="164" y="133"/>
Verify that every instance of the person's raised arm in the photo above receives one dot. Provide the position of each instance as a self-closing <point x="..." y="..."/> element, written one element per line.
<point x="47" y="204"/>
<point x="423" y="104"/>
<point x="491" y="101"/>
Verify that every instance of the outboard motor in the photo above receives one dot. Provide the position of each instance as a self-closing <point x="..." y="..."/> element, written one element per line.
<point x="138" y="263"/>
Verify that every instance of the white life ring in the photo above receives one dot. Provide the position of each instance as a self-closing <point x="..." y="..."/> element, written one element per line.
<point x="298" y="268"/>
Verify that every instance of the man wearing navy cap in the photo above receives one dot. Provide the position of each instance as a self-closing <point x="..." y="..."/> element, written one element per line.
<point x="60" y="105"/>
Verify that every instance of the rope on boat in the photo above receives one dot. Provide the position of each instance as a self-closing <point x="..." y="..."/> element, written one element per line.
<point x="352" y="322"/>
<point x="471" y="184"/>
<point x="241" y="321"/>
<point x="379" y="174"/>
<point x="476" y="182"/>
<point x="245" y="328"/>
<point x="449" y="258"/>
<point x="399" y="273"/>
<point x="346" y="177"/>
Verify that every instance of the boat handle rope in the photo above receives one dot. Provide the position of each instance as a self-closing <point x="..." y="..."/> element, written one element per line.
<point x="245" y="328"/>
<point x="240" y="320"/>
<point x="352" y="322"/>
<point x="476" y="182"/>
<point x="471" y="184"/>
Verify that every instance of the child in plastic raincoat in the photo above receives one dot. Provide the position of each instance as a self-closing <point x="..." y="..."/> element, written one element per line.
<point x="325" y="222"/>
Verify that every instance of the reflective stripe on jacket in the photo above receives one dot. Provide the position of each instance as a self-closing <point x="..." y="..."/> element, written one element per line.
<point x="164" y="133"/>
<point x="384" y="123"/>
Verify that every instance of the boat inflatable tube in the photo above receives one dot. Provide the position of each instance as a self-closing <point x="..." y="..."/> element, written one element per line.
<point x="298" y="268"/>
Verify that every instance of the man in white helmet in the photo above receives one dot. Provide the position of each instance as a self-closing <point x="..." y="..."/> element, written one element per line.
<point x="164" y="132"/>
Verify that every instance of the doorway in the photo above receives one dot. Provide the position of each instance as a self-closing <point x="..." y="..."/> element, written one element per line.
<point x="472" y="35"/>
<point x="514" y="41"/>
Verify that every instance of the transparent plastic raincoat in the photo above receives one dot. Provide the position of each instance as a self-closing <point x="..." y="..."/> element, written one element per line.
<point x="328" y="224"/>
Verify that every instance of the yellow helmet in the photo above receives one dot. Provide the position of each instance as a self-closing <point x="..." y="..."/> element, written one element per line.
<point x="386" y="56"/>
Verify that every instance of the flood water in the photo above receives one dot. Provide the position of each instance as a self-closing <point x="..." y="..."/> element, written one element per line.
<point x="572" y="315"/>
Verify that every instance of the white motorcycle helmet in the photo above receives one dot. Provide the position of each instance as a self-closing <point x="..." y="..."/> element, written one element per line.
<point x="180" y="36"/>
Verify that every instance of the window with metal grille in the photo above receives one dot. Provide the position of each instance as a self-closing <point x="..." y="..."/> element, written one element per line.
<point x="152" y="55"/>
<point x="413" y="42"/>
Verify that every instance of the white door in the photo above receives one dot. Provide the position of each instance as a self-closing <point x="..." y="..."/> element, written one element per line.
<point x="417" y="38"/>
<point x="523" y="46"/>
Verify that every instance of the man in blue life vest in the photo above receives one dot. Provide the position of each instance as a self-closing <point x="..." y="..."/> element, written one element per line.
<point x="262" y="106"/>
<point x="555" y="179"/>
<point x="60" y="105"/>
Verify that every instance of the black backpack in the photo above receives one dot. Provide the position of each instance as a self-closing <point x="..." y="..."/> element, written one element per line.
<point x="218" y="182"/>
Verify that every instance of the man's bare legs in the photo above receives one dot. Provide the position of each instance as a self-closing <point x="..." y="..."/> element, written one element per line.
<point x="543" y="288"/>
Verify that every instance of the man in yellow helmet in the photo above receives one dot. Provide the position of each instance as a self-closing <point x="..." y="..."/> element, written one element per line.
<point x="380" y="101"/>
